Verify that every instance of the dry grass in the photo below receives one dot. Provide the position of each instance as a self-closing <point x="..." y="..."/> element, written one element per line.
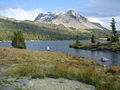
<point x="10" y="56"/>
<point x="39" y="64"/>
<point x="102" y="38"/>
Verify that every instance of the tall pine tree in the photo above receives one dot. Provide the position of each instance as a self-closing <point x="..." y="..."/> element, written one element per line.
<point x="18" y="40"/>
<point x="77" y="39"/>
<point x="93" y="39"/>
<point x="114" y="37"/>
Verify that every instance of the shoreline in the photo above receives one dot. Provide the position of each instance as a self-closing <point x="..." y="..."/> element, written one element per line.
<point x="102" y="46"/>
<point x="46" y="40"/>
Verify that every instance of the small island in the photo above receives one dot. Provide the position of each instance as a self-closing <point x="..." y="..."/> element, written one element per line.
<point x="98" y="46"/>
<point x="112" y="43"/>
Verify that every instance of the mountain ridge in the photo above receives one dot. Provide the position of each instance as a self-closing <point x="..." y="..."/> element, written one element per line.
<point x="43" y="31"/>
<point x="68" y="19"/>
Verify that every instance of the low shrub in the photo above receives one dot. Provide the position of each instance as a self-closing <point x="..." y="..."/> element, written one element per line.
<point x="20" y="88"/>
<point x="113" y="70"/>
<point x="76" y="45"/>
<point x="52" y="75"/>
<point x="38" y="75"/>
<point x="116" y="48"/>
<point x="2" y="63"/>
<point x="98" y="43"/>
<point x="86" y="46"/>
<point x="28" y="70"/>
<point x="60" y="71"/>
<point x="1" y="82"/>
<point x="103" y="47"/>
<point x="89" y="75"/>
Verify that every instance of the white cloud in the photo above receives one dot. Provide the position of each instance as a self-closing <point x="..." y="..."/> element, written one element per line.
<point x="21" y="14"/>
<point x="94" y="19"/>
<point x="105" y="21"/>
<point x="99" y="20"/>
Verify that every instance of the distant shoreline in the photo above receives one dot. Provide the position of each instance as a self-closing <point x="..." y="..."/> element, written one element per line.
<point x="104" y="46"/>
<point x="51" y="40"/>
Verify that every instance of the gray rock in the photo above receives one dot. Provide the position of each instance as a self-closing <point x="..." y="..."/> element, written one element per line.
<point x="59" y="84"/>
<point x="6" y="87"/>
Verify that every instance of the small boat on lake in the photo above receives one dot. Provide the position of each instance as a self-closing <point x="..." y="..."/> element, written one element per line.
<point x="103" y="59"/>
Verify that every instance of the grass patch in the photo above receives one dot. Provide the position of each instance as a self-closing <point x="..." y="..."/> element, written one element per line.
<point x="28" y="70"/>
<point x="103" y="47"/>
<point x="76" y="45"/>
<point x="38" y="75"/>
<point x="40" y="64"/>
<point x="1" y="82"/>
<point x="116" y="48"/>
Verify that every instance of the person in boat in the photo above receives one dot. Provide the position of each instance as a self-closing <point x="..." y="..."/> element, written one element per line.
<point x="48" y="48"/>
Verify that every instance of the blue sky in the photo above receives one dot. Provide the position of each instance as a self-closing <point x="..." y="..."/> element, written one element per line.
<point x="100" y="11"/>
<point x="47" y="5"/>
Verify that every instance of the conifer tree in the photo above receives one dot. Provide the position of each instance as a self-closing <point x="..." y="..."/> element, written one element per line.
<point x="93" y="39"/>
<point x="108" y="39"/>
<point x="18" y="40"/>
<point x="114" y="37"/>
<point x="77" y="39"/>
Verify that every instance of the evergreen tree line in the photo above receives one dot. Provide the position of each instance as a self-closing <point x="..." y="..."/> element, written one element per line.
<point x="41" y="31"/>
<point x="114" y="36"/>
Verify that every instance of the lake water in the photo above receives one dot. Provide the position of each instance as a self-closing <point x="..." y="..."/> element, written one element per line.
<point x="63" y="46"/>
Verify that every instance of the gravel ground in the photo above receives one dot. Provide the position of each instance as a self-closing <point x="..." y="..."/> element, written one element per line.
<point x="47" y="84"/>
<point x="58" y="84"/>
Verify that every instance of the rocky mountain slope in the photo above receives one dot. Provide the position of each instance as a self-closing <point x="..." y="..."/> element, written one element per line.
<point x="69" y="19"/>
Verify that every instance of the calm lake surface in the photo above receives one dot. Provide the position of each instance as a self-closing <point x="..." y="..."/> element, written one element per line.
<point x="63" y="46"/>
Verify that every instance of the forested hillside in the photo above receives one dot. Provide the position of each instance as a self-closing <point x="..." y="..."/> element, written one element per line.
<point x="41" y="31"/>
